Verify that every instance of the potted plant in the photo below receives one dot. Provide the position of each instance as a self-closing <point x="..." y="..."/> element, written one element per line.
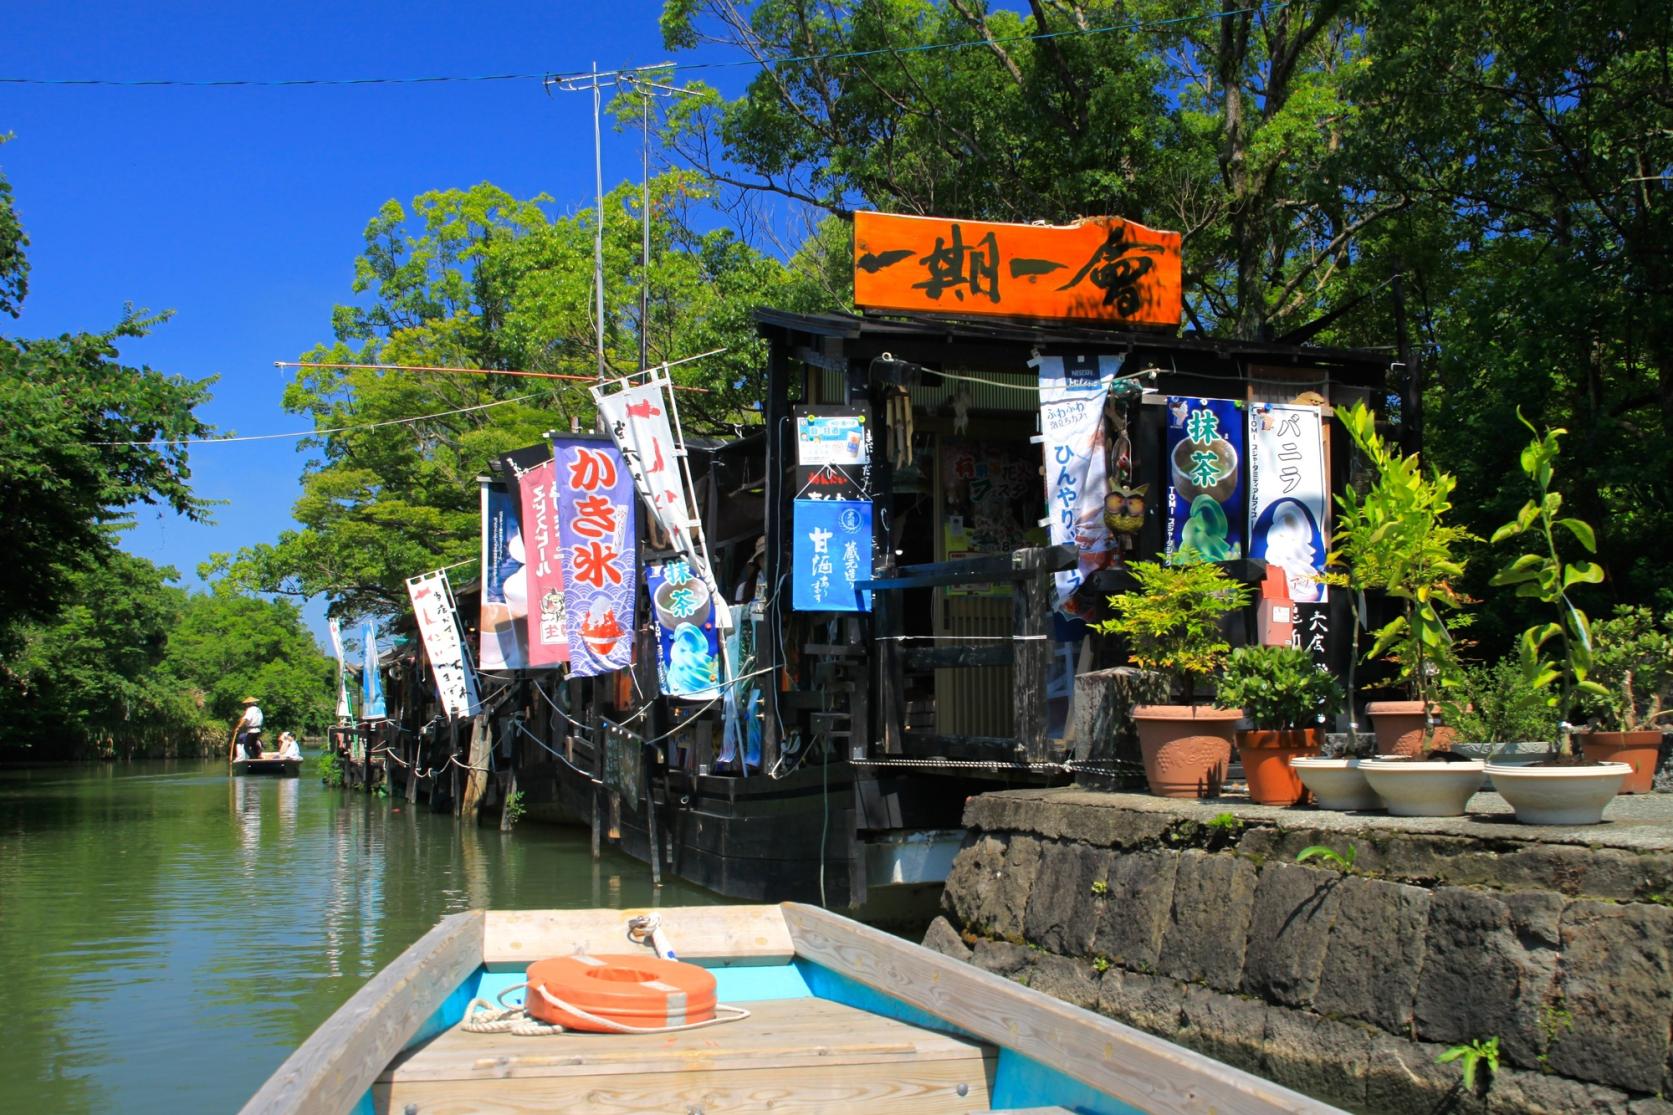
<point x="1395" y="538"/>
<point x="1172" y="624"/>
<point x="1285" y="696"/>
<point x="1556" y="657"/>
<point x="1632" y="658"/>
<point x="1497" y="718"/>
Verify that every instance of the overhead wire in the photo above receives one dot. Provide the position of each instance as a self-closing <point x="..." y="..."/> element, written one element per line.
<point x="322" y="433"/>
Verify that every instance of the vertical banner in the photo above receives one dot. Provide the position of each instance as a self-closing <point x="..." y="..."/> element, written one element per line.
<point x="597" y="543"/>
<point x="544" y="633"/>
<point x="638" y="421"/>
<point x="831" y="551"/>
<point x="371" y="680"/>
<point x="1288" y="497"/>
<point x="1205" y="478"/>
<point x="1072" y="394"/>
<point x="505" y="592"/>
<point x="689" y="661"/>
<point x="343" y="710"/>
<point x="432" y="605"/>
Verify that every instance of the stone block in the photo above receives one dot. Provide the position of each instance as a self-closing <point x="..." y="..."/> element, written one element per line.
<point x="1404" y="1078"/>
<point x="1149" y="1003"/>
<point x="1520" y="1092"/>
<point x="967" y="898"/>
<point x="941" y="937"/>
<point x="1002" y="958"/>
<point x="1375" y="953"/>
<point x="1062" y="909"/>
<point x="1132" y="916"/>
<point x="1615" y="982"/>
<point x="1486" y="971"/>
<point x="1073" y="981"/>
<point x="1088" y="818"/>
<point x="1224" y="1027"/>
<point x="1289" y="931"/>
<point x="1317" y="1057"/>
<point x="1213" y="897"/>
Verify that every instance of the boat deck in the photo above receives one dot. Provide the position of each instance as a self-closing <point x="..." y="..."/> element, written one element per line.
<point x="790" y="1055"/>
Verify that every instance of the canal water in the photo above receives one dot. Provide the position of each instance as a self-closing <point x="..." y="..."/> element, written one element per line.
<point x="168" y="935"/>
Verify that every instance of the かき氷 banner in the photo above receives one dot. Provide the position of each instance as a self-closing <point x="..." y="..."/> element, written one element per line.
<point x="689" y="665"/>
<point x="505" y="591"/>
<point x="596" y="538"/>
<point x="1289" y="498"/>
<point x="1072" y="394"/>
<point x="1205" y="478"/>
<point x="830" y="553"/>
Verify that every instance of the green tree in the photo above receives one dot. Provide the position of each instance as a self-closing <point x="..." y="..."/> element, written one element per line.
<point x="225" y="646"/>
<point x="475" y="278"/>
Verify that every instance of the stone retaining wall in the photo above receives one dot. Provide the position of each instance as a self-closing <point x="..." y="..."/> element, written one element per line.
<point x="1193" y="921"/>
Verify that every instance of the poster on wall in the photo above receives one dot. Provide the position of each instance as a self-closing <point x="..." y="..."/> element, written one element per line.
<point x="437" y="618"/>
<point x="688" y="664"/>
<point x="831" y="552"/>
<point x="596" y="538"/>
<point x="1205" y="478"/>
<point x="1289" y="497"/>
<point x="833" y="453"/>
<point x="544" y="633"/>
<point x="1072" y="394"/>
<point x="505" y="594"/>
<point x="990" y="503"/>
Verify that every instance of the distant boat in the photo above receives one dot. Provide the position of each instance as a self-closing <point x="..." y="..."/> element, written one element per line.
<point x="269" y="763"/>
<point x="840" y="1017"/>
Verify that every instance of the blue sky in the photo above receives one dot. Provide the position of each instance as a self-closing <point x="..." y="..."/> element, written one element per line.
<point x="242" y="209"/>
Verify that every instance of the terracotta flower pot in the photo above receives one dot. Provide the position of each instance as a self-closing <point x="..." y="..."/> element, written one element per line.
<point x="1186" y="748"/>
<point x="1639" y="750"/>
<point x="1399" y="728"/>
<point x="1266" y="763"/>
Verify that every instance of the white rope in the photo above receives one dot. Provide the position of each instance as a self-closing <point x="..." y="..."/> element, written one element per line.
<point x="483" y="1017"/>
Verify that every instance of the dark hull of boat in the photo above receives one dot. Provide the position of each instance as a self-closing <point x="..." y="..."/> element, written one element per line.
<point x="280" y="767"/>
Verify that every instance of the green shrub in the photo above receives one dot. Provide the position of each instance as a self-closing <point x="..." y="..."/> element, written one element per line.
<point x="1278" y="688"/>
<point x="1495" y="705"/>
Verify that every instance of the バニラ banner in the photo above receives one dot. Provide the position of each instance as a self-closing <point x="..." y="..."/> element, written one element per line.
<point x="1289" y="499"/>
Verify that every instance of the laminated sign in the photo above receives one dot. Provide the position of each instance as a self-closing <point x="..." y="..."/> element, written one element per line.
<point x="596" y="540"/>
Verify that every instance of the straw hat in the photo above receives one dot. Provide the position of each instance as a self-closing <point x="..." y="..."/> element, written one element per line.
<point x="249" y="701"/>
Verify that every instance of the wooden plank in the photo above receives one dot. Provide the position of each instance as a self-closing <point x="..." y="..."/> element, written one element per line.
<point x="926" y="1088"/>
<point x="1153" y="1075"/>
<point x="719" y="936"/>
<point x="1098" y="269"/>
<point x="333" y="1068"/>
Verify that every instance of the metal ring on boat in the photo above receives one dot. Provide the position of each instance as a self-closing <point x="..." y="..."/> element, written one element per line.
<point x="638" y="991"/>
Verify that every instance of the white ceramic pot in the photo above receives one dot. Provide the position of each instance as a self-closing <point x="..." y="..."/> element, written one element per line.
<point x="1559" y="795"/>
<point x="1336" y="783"/>
<point x="1423" y="789"/>
<point x="1503" y="754"/>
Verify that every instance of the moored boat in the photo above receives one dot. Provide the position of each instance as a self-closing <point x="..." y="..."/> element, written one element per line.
<point x="830" y="1015"/>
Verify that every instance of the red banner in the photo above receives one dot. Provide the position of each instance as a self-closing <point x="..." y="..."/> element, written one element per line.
<point x="548" y="638"/>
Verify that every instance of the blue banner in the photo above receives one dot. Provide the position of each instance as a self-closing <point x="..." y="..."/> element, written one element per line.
<point x="505" y="593"/>
<point x="597" y="544"/>
<point x="832" y="551"/>
<point x="1206" y="507"/>
<point x="689" y="662"/>
<point x="371" y="681"/>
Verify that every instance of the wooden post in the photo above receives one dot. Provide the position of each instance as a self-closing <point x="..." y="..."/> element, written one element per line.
<point x="453" y="767"/>
<point x="859" y="704"/>
<point x="647" y="759"/>
<point x="416" y="756"/>
<point x="1030" y="622"/>
<point x="476" y="779"/>
<point x="505" y="813"/>
<point x="779" y="466"/>
<point x="891" y="694"/>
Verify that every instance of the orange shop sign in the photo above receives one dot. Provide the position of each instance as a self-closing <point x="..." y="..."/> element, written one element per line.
<point x="1098" y="269"/>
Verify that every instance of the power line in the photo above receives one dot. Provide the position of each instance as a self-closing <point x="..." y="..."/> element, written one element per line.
<point x="613" y="77"/>
<point x="318" y="433"/>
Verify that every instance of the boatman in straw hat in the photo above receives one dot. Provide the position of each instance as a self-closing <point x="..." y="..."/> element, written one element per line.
<point x="248" y="733"/>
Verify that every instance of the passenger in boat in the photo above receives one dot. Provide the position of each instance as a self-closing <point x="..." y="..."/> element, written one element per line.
<point x="288" y="748"/>
<point x="249" y="729"/>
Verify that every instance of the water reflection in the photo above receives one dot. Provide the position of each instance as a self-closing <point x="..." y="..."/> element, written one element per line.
<point x="169" y="934"/>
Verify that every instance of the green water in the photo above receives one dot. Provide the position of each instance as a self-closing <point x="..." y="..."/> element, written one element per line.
<point x="168" y="935"/>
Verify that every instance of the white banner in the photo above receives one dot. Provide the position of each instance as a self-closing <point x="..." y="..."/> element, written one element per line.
<point x="432" y="604"/>
<point x="1289" y="497"/>
<point x="1072" y="394"/>
<point x="638" y="421"/>
<point x="343" y="710"/>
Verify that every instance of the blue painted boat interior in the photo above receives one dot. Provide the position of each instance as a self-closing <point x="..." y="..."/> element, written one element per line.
<point x="1019" y="1081"/>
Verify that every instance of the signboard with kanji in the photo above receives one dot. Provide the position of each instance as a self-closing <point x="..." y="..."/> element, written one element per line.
<point x="1099" y="269"/>
<point x="596" y="541"/>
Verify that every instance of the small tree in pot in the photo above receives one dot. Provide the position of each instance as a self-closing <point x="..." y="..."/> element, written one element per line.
<point x="1171" y="622"/>
<point x="1632" y="659"/>
<point x="1285" y="696"/>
